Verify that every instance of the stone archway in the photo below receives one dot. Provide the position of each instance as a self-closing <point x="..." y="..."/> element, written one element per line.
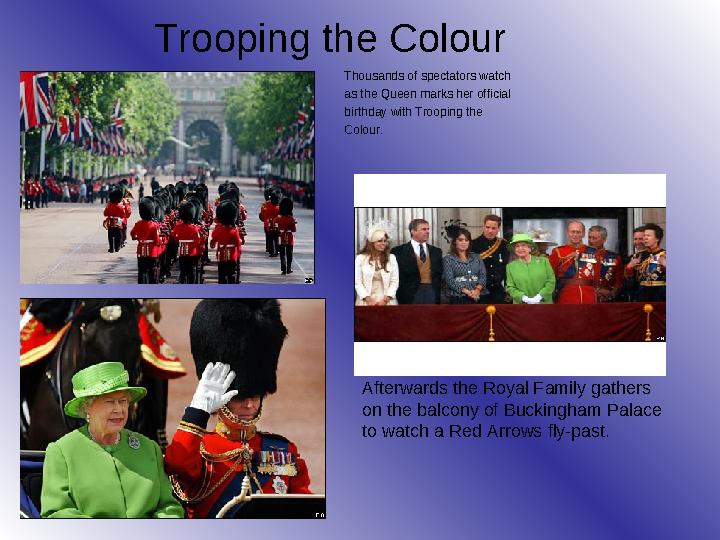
<point x="196" y="129"/>
<point x="204" y="138"/>
<point x="200" y="96"/>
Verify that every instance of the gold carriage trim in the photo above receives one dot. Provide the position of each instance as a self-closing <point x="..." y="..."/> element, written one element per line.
<point x="492" y="249"/>
<point x="652" y="283"/>
<point x="149" y="356"/>
<point x="41" y="351"/>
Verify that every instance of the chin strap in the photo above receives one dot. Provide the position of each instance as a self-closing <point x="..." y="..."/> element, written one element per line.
<point x="235" y="429"/>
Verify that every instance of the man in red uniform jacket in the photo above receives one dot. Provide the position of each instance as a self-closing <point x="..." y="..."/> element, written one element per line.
<point x="226" y="238"/>
<point x="208" y="467"/>
<point x="115" y="218"/>
<point x="147" y="233"/>
<point x="574" y="265"/>
<point x="268" y="212"/>
<point x="286" y="226"/>
<point x="190" y="243"/>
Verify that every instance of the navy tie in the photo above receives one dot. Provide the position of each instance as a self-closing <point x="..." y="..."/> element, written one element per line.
<point x="423" y="257"/>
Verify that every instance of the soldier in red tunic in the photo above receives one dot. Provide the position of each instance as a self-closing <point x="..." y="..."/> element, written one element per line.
<point x="574" y="265"/>
<point x="286" y="223"/>
<point x="208" y="468"/>
<point x="610" y="268"/>
<point x="150" y="242"/>
<point x="190" y="243"/>
<point x="115" y="216"/>
<point x="226" y="238"/>
<point x="268" y="212"/>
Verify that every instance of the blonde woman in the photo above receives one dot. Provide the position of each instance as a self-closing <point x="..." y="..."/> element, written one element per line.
<point x="376" y="271"/>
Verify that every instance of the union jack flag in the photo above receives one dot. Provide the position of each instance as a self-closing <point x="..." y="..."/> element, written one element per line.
<point x="64" y="128"/>
<point x="117" y="120"/>
<point x="86" y="128"/>
<point x="36" y="103"/>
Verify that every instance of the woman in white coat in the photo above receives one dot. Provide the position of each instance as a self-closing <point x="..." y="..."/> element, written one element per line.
<point x="376" y="271"/>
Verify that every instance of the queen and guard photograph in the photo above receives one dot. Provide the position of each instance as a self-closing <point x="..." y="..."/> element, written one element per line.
<point x="172" y="408"/>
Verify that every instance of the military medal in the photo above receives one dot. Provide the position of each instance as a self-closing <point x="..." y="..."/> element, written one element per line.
<point x="279" y="486"/>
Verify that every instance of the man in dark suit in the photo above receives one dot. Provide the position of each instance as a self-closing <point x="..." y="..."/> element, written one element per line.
<point x="420" y="267"/>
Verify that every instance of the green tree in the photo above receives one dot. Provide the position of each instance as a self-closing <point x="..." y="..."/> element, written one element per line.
<point x="267" y="101"/>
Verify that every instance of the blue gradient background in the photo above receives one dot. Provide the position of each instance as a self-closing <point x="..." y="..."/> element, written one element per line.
<point x="597" y="87"/>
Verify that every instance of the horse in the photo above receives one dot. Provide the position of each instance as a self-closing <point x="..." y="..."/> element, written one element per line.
<point x="100" y="330"/>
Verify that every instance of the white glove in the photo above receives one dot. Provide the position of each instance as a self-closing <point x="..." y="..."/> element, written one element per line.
<point x="526" y="300"/>
<point x="537" y="298"/>
<point x="211" y="392"/>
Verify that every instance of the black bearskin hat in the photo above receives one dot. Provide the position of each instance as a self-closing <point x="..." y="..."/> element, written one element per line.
<point x="116" y="195"/>
<point x="246" y="334"/>
<point x="187" y="212"/>
<point x="227" y="213"/>
<point x="146" y="207"/>
<point x="286" y="207"/>
<point x="53" y="312"/>
<point x="181" y="188"/>
<point x="231" y="195"/>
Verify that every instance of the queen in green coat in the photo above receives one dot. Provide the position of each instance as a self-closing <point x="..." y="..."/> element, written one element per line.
<point x="530" y="279"/>
<point x="102" y="469"/>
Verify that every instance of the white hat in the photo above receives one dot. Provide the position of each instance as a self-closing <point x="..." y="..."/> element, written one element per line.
<point x="378" y="230"/>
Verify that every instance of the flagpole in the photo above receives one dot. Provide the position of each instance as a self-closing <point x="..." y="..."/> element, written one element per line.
<point x="42" y="149"/>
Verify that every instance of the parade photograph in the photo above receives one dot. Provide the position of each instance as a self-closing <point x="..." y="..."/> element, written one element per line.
<point x="172" y="408"/>
<point x="510" y="274"/>
<point x="167" y="177"/>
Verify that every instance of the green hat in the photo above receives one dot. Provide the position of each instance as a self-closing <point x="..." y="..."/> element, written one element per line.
<point x="522" y="237"/>
<point x="97" y="380"/>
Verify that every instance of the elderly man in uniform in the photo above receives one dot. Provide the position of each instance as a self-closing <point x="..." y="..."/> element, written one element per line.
<point x="208" y="468"/>
<point x="574" y="265"/>
<point x="493" y="251"/>
<point x="609" y="274"/>
<point x="646" y="270"/>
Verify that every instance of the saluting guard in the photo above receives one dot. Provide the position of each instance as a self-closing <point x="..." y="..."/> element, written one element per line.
<point x="235" y="345"/>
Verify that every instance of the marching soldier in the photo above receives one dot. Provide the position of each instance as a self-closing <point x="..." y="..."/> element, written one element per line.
<point x="226" y="238"/>
<point x="268" y="212"/>
<point x="574" y="265"/>
<point x="646" y="270"/>
<point x="609" y="275"/>
<point x="493" y="251"/>
<point x="286" y="226"/>
<point x="208" y="467"/>
<point x="115" y="218"/>
<point x="147" y="233"/>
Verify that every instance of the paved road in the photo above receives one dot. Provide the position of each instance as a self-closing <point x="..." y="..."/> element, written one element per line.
<point x="66" y="243"/>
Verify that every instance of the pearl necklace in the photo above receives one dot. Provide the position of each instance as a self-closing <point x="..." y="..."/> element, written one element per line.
<point x="117" y="439"/>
